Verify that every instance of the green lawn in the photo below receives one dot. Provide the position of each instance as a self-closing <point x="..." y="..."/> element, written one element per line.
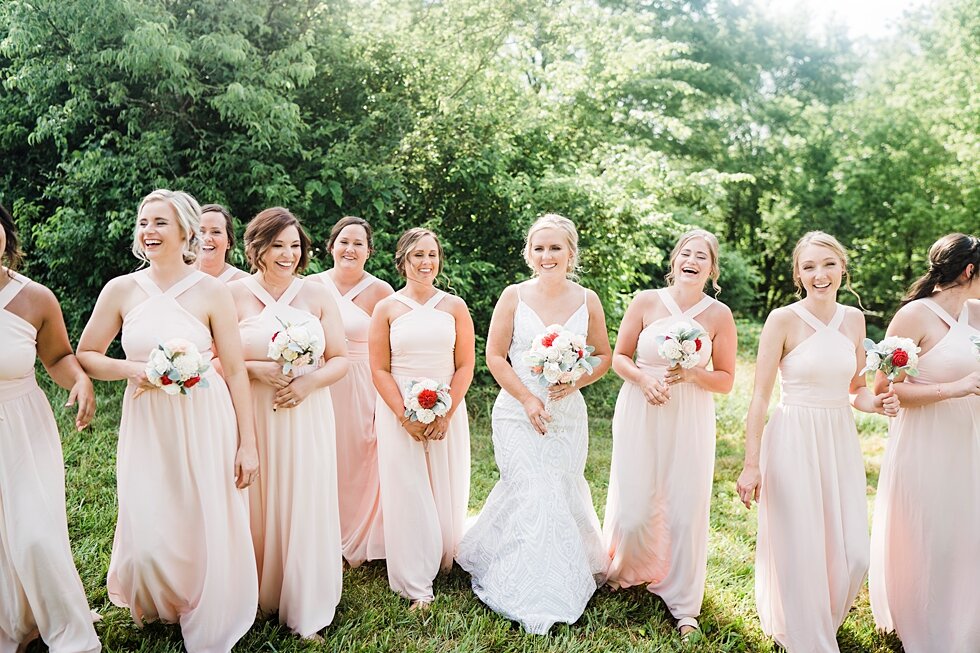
<point x="372" y="618"/>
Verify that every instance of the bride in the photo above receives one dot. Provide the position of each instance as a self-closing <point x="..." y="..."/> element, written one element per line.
<point x="535" y="552"/>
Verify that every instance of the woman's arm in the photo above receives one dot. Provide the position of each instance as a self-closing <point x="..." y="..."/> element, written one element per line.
<point x="724" y="345"/>
<point x="54" y="350"/>
<point x="885" y="403"/>
<point x="911" y="395"/>
<point x="655" y="391"/>
<point x="771" y="343"/>
<point x="102" y="327"/>
<point x="227" y="340"/>
<point x="379" y="358"/>
<point x="464" y="354"/>
<point x="334" y="354"/>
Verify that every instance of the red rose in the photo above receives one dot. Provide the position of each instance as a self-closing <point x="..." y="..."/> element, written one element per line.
<point x="428" y="399"/>
<point x="165" y="380"/>
<point x="667" y="338"/>
<point x="581" y="353"/>
<point x="548" y="339"/>
<point x="273" y="338"/>
<point x="697" y="344"/>
<point x="191" y="382"/>
<point x="900" y="358"/>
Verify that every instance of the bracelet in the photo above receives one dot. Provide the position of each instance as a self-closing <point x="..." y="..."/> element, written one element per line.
<point x="405" y="421"/>
<point x="939" y="391"/>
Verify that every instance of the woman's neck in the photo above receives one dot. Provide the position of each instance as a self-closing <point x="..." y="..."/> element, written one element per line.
<point x="686" y="295"/>
<point x="213" y="268"/>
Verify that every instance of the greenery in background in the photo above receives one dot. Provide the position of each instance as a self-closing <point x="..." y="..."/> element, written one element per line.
<point x="637" y="119"/>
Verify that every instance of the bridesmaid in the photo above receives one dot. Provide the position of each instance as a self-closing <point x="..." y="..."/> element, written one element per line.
<point x="656" y="523"/>
<point x="807" y="473"/>
<point x="354" y="397"/>
<point x="295" y="524"/>
<point x="535" y="553"/>
<point x="926" y="532"/>
<point x="181" y="549"/>
<point x="218" y="242"/>
<point x="40" y="591"/>
<point x="421" y="332"/>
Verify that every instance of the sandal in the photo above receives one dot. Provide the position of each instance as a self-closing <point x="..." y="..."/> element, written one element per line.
<point x="687" y="626"/>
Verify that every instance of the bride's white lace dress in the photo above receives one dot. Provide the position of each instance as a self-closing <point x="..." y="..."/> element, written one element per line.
<point x="535" y="552"/>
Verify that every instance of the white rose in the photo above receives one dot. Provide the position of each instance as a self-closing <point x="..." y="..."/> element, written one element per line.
<point x="425" y="415"/>
<point x="671" y="350"/>
<point x="553" y="355"/>
<point x="872" y="361"/>
<point x="185" y="367"/>
<point x="569" y="359"/>
<point x="689" y="346"/>
<point x="413" y="403"/>
<point x="690" y="361"/>
<point x="551" y="372"/>
<point x="562" y="342"/>
<point x="158" y="362"/>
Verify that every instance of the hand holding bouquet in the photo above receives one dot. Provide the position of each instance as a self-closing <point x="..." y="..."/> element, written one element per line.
<point x="681" y="345"/>
<point x="560" y="356"/>
<point x="426" y="400"/>
<point x="175" y="367"/>
<point x="295" y="346"/>
<point x="892" y="356"/>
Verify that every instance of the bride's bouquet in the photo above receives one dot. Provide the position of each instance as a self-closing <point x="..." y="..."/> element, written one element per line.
<point x="175" y="367"/>
<point x="681" y="344"/>
<point x="425" y="400"/>
<point x="295" y="346"/>
<point x="560" y="356"/>
<point x="893" y="355"/>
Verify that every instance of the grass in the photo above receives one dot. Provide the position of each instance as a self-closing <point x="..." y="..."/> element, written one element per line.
<point x="371" y="618"/>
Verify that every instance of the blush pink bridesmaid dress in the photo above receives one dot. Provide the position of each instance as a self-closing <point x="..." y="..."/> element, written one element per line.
<point x="40" y="591"/>
<point x="925" y="539"/>
<point x="182" y="550"/>
<point x="423" y="493"/>
<point x="656" y="522"/>
<point x="354" y="400"/>
<point x="812" y="546"/>
<point x="295" y="523"/>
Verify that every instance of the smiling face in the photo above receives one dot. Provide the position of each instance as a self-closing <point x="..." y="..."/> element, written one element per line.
<point x="350" y="248"/>
<point x="214" y="238"/>
<point x="819" y="271"/>
<point x="692" y="263"/>
<point x="422" y="262"/>
<point x="281" y="258"/>
<point x="549" y="252"/>
<point x="158" y="232"/>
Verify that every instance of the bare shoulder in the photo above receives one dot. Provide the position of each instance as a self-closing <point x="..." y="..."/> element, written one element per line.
<point x="719" y="310"/>
<point x="315" y="292"/>
<point x="853" y="316"/>
<point x="454" y="304"/>
<point x="211" y="284"/>
<point x="780" y="319"/>
<point x="508" y="298"/>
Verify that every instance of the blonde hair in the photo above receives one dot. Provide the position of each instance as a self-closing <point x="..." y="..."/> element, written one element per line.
<point x="562" y="224"/>
<point x="821" y="239"/>
<point x="188" y="213"/>
<point x="406" y="243"/>
<point x="712" y="243"/>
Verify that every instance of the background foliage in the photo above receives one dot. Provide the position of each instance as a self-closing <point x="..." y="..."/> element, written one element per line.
<point x="636" y="118"/>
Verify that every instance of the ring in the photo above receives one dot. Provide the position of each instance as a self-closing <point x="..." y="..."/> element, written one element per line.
<point x="293" y="402"/>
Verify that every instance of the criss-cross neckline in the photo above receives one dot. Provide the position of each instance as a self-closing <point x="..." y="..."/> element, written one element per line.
<point x="363" y="284"/>
<point x="175" y="289"/>
<point x="675" y="310"/>
<point x="15" y="284"/>
<point x="946" y="317"/>
<point x="264" y="296"/>
<point x="431" y="302"/>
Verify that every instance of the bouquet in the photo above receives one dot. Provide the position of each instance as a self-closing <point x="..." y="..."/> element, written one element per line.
<point x="176" y="366"/>
<point x="425" y="400"/>
<point x="893" y="355"/>
<point x="560" y="356"/>
<point x="295" y="346"/>
<point x="681" y="344"/>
